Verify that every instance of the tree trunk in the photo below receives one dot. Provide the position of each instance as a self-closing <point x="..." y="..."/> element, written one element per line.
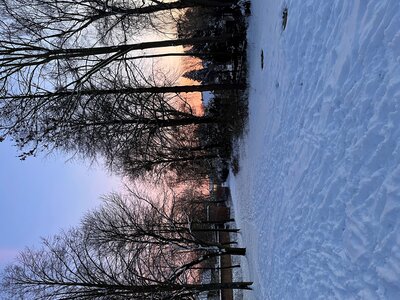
<point x="194" y="54"/>
<point x="182" y="159"/>
<point x="151" y="288"/>
<point x="235" y="251"/>
<point x="166" y="6"/>
<point x="46" y="55"/>
<point x="216" y="268"/>
<point x="218" y="286"/>
<point x="133" y="90"/>
<point x="215" y="230"/>
<point x="146" y="121"/>
<point x="209" y="221"/>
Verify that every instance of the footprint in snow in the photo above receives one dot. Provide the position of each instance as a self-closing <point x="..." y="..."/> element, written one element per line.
<point x="262" y="59"/>
<point x="284" y="18"/>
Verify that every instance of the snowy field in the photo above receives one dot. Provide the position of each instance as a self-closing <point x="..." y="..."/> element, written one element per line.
<point x="317" y="197"/>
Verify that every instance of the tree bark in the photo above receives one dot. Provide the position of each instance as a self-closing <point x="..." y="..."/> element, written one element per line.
<point x="48" y="55"/>
<point x="235" y="251"/>
<point x="151" y="288"/>
<point x="215" y="230"/>
<point x="146" y="121"/>
<point x="194" y="54"/>
<point x="166" y="6"/>
<point x="133" y="90"/>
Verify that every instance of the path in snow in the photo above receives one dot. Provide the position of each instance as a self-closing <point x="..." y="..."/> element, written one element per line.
<point x="318" y="193"/>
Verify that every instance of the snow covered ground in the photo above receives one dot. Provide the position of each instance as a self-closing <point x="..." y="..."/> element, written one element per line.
<point x="317" y="197"/>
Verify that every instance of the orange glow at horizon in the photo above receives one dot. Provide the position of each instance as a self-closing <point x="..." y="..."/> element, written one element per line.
<point x="175" y="67"/>
<point x="194" y="99"/>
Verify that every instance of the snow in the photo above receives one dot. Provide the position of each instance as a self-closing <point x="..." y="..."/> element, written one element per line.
<point x="317" y="196"/>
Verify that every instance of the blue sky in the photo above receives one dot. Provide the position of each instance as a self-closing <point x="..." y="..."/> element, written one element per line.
<point x="42" y="195"/>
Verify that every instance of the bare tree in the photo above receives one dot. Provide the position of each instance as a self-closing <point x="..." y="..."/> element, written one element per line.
<point x="120" y="114"/>
<point x="154" y="219"/>
<point x="58" y="90"/>
<point x="70" y="267"/>
<point x="46" y="20"/>
<point x="42" y="69"/>
<point x="122" y="250"/>
<point x="47" y="45"/>
<point x="135" y="133"/>
<point x="96" y="101"/>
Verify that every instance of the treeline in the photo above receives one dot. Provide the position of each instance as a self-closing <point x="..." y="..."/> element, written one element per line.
<point x="73" y="77"/>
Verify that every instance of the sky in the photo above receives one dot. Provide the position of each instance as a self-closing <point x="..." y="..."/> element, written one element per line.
<point x="42" y="195"/>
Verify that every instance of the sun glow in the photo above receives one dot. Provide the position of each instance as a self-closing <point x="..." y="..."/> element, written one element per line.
<point x="194" y="99"/>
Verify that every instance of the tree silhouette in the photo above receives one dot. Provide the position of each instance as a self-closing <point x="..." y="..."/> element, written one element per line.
<point x="132" y="251"/>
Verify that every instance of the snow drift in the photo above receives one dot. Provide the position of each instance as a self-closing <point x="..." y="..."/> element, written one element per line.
<point x="317" y="197"/>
